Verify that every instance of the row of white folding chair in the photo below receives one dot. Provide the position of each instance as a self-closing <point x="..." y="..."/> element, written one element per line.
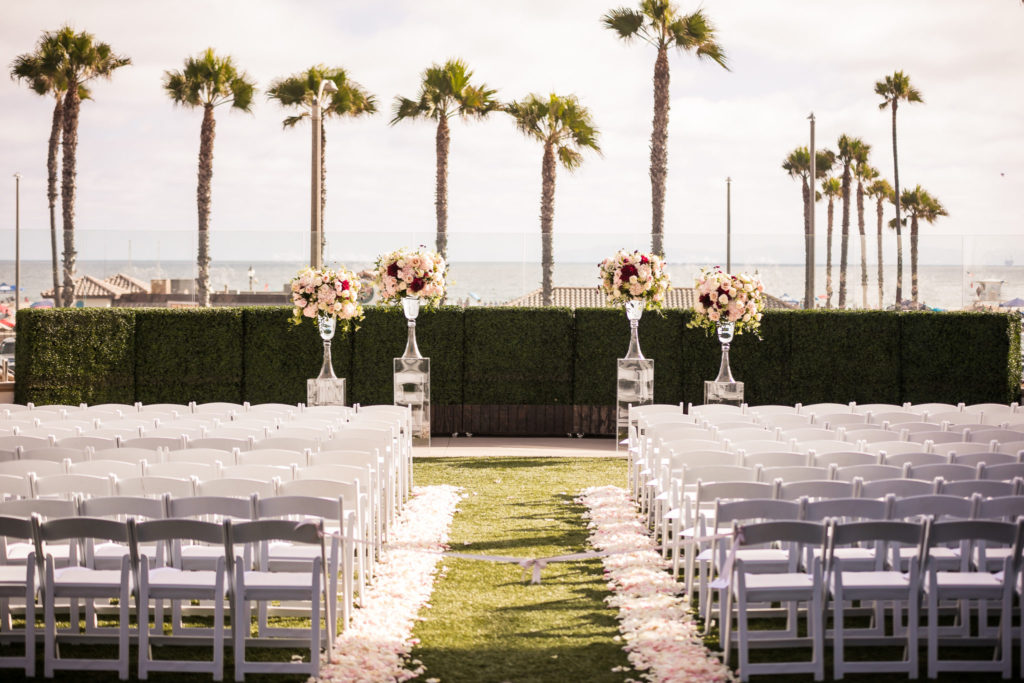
<point x="240" y="583"/>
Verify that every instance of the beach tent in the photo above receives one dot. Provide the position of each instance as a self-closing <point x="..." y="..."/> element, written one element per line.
<point x="1013" y="303"/>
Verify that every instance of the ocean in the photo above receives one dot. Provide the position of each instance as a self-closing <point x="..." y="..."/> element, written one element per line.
<point x="944" y="287"/>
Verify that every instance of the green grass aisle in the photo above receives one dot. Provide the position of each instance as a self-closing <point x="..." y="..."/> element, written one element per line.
<point x="485" y="622"/>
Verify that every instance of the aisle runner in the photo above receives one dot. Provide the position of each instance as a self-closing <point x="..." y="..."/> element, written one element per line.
<point x="661" y="637"/>
<point x="376" y="645"/>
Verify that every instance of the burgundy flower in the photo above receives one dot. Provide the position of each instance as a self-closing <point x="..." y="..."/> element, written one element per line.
<point x="416" y="284"/>
<point x="345" y="285"/>
<point x="705" y="300"/>
<point x="628" y="271"/>
<point x="644" y="259"/>
<point x="393" y="270"/>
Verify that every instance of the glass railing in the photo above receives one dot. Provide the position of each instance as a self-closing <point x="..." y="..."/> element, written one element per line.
<point x="491" y="268"/>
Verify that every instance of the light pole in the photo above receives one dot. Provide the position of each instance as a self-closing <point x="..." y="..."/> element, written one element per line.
<point x="728" y="225"/>
<point x="809" y="266"/>
<point x="316" y="256"/>
<point x="17" y="242"/>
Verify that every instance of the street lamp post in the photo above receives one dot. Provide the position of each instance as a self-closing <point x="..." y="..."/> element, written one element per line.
<point x="316" y="256"/>
<point x="17" y="242"/>
<point x="809" y="275"/>
<point x="728" y="225"/>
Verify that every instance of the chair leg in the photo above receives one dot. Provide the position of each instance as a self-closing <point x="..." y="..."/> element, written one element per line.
<point x="142" y="616"/>
<point x="123" y="627"/>
<point x="49" y="633"/>
<point x="218" y="632"/>
<point x="913" y="619"/>
<point x="933" y="631"/>
<point x="816" y="627"/>
<point x="30" y="633"/>
<point x="838" y="634"/>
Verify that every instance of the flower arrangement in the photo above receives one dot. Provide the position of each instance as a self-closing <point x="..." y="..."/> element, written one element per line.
<point x="420" y="273"/>
<point x="326" y="292"/>
<point x="724" y="297"/>
<point x="634" y="275"/>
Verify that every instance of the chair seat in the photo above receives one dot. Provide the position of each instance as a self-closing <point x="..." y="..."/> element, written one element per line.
<point x="18" y="552"/>
<point x="168" y="580"/>
<point x="85" y="582"/>
<point x="12" y="580"/>
<point x="874" y="584"/>
<point x="275" y="583"/>
<point x="779" y="586"/>
<point x="980" y="585"/>
<point x="763" y="556"/>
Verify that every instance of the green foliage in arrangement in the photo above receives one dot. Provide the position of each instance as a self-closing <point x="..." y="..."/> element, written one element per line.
<point x="71" y="356"/>
<point x="512" y="356"/>
<point x="519" y="356"/>
<point x="279" y="357"/>
<point x="184" y="355"/>
<point x="381" y="338"/>
<point x="969" y="357"/>
<point x="602" y="337"/>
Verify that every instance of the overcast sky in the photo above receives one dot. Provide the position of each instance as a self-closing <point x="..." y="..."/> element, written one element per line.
<point x="138" y="152"/>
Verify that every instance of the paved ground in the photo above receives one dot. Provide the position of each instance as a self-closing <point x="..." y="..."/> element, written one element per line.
<point x="478" y="446"/>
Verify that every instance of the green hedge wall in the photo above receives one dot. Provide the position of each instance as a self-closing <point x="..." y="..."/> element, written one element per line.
<point x="184" y="355"/>
<point x="279" y="357"/>
<point x="512" y="356"/>
<point x="518" y="356"/>
<point x="70" y="356"/>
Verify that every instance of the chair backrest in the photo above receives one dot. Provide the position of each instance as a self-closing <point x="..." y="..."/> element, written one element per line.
<point x="203" y="455"/>
<point x="888" y="533"/>
<point x="827" y="488"/>
<point x="210" y="508"/>
<point x="253" y="471"/>
<point x="820" y="446"/>
<point x="1011" y="447"/>
<point x="180" y="408"/>
<point x="55" y="453"/>
<point x="845" y="509"/>
<point x="795" y="473"/>
<point x="843" y="459"/>
<point x="880" y="488"/>
<point x="934" y="505"/>
<point x="300" y="507"/>
<point x="46" y="508"/>
<point x="866" y="436"/>
<point x="65" y="528"/>
<point x="711" y="491"/>
<point x="155" y="442"/>
<point x="1008" y="508"/>
<point x="991" y="408"/>
<point x="710" y="473"/>
<point x="15" y="527"/>
<point x="221" y="443"/>
<point x="895" y="417"/>
<point x="356" y="458"/>
<point x="679" y="460"/>
<point x="41" y="468"/>
<point x="236" y="487"/>
<point x="122" y="507"/>
<point x="233" y="431"/>
<point x="180" y="470"/>
<point x="87" y="441"/>
<point x="177" y="529"/>
<point x="828" y="408"/>
<point x="135" y="455"/>
<point x="285" y="443"/>
<point x="975" y="459"/>
<point x="310" y="532"/>
<point x="913" y="428"/>
<point x="785" y="531"/>
<point x="70" y="486"/>
<point x="960" y="447"/>
<point x="784" y="420"/>
<point x="273" y="456"/>
<point x="306" y="431"/>
<point x="150" y="486"/>
<point x="986" y="488"/>
<point x="15" y="486"/>
<point x="977" y="532"/>
<point x="834" y="420"/>
<point x="987" y="435"/>
<point x="12" y="442"/>
<point x="218" y="407"/>
<point x="773" y="409"/>
<point x="1003" y="472"/>
<point x="106" y="468"/>
<point x="892" y="447"/>
<point x="774" y="459"/>
<point x="321" y="488"/>
<point x="917" y="458"/>
<point x="867" y="472"/>
<point x="953" y="417"/>
<point x="948" y="471"/>
<point x="334" y="472"/>
<point x="933" y="408"/>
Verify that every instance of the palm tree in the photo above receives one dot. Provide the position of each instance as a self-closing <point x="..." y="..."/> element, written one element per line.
<point x="893" y="89"/>
<point x="920" y="205"/>
<point x="565" y="128"/>
<point x="75" y="59"/>
<point x="445" y="92"/>
<point x="41" y="72"/>
<point x="798" y="165"/>
<point x="299" y="90"/>
<point x="831" y="189"/>
<point x="881" y="190"/>
<point x="208" y="81"/>
<point x="864" y="174"/>
<point x="851" y="151"/>
<point x="659" y="23"/>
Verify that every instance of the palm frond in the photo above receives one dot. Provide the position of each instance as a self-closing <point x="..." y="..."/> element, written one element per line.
<point x="625" y="22"/>
<point x="404" y="108"/>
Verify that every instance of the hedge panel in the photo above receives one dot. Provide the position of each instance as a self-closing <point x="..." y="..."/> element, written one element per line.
<point x="963" y="356"/>
<point x="602" y="337"/>
<point x="518" y="356"/>
<point x="382" y="337"/>
<point x="184" y="355"/>
<point x="279" y="356"/>
<point x="72" y="356"/>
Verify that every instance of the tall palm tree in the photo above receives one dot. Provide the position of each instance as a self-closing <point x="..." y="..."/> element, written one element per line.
<point x="851" y="151"/>
<point x="798" y="165"/>
<point x="831" y="188"/>
<point x="40" y="71"/>
<point x="565" y="128"/>
<point x="893" y="89"/>
<point x="923" y="206"/>
<point x="208" y="81"/>
<point x="76" y="59"/>
<point x="864" y="174"/>
<point x="660" y="23"/>
<point x="445" y="92"/>
<point x="299" y="90"/>
<point x="881" y="190"/>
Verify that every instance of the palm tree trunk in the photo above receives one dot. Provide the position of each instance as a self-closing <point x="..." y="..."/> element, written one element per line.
<point x="206" y="136"/>
<point x="899" y="224"/>
<point x="323" y="189"/>
<point x="863" y="246"/>
<point x="547" y="219"/>
<point x="881" y="272"/>
<point x="808" y="255"/>
<point x="844" y="246"/>
<point x="67" y="189"/>
<point x="441" y="199"/>
<point x="828" y="254"/>
<point x="913" y="257"/>
<point x="659" y="151"/>
<point x="51" y="188"/>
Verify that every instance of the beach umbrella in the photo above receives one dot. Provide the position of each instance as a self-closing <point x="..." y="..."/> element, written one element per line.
<point x="1016" y="302"/>
<point x="4" y="287"/>
<point x="45" y="303"/>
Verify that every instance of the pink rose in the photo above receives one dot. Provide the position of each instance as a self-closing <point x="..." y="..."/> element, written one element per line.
<point x="310" y="311"/>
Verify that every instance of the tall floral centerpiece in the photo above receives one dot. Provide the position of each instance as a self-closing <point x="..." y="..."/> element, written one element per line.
<point x="327" y="296"/>
<point x="411" y="276"/>
<point x="637" y="281"/>
<point x="730" y="304"/>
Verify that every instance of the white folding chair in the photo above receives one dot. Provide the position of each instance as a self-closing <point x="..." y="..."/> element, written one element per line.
<point x="150" y="486"/>
<point x="948" y="472"/>
<point x="167" y="443"/>
<point x="71" y="486"/>
<point x="867" y="472"/>
<point x="203" y="455"/>
<point x="106" y="468"/>
<point x="1006" y="472"/>
<point x="222" y="443"/>
<point x="273" y="456"/>
<point x="829" y="488"/>
<point x="985" y="488"/>
<point x="774" y="459"/>
<point x="843" y="459"/>
<point x="893" y="447"/>
<point x="15" y="486"/>
<point x="258" y="472"/>
<point x="794" y="473"/>
<point x="13" y="442"/>
<point x="135" y="455"/>
<point x="912" y="459"/>
<point x="18" y="583"/>
<point x="83" y="581"/>
<point x="41" y="468"/>
<point x="183" y="470"/>
<point x="237" y="487"/>
<point x="263" y="584"/>
<point x="54" y="453"/>
<point x="900" y="488"/>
